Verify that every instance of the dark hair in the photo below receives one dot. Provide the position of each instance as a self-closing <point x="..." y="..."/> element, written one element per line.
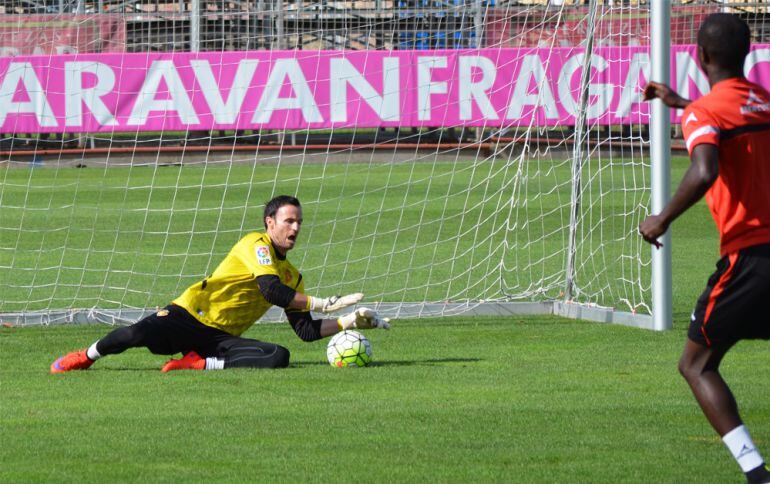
<point x="725" y="38"/>
<point x="273" y="205"/>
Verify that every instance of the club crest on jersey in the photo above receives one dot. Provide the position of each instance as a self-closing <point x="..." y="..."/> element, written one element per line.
<point x="162" y="312"/>
<point x="263" y="255"/>
<point x="287" y="276"/>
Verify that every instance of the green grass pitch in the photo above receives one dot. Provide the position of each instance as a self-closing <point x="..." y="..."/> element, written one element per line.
<point x="536" y="399"/>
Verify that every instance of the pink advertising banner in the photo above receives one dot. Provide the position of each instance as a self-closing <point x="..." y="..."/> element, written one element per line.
<point x="335" y="89"/>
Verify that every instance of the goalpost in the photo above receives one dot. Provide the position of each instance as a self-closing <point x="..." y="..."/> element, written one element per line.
<point x="457" y="157"/>
<point x="660" y="152"/>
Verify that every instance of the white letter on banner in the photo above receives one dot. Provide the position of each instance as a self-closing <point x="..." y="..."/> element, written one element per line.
<point x="632" y="91"/>
<point x="76" y="96"/>
<point x="425" y="87"/>
<point x="224" y="112"/>
<point x="476" y="90"/>
<point x="601" y="93"/>
<point x="38" y="103"/>
<point x="532" y="68"/>
<point x="687" y="69"/>
<point x="270" y="101"/>
<point x="343" y="73"/>
<point x="178" y="100"/>
<point x="755" y="57"/>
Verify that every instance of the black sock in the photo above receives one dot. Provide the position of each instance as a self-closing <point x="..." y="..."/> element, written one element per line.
<point x="758" y="475"/>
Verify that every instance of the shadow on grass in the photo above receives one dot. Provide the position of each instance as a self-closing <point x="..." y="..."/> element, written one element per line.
<point x="428" y="362"/>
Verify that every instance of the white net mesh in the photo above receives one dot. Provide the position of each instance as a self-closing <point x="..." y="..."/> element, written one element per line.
<point x="537" y="201"/>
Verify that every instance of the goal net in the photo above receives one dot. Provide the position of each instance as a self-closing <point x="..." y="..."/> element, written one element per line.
<point x="452" y="157"/>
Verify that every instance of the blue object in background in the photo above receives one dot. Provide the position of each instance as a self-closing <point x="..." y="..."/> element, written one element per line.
<point x="457" y="40"/>
<point x="422" y="41"/>
<point x="405" y="41"/>
<point x="440" y="40"/>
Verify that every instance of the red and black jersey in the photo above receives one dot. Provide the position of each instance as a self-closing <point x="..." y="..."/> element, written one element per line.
<point x="735" y="116"/>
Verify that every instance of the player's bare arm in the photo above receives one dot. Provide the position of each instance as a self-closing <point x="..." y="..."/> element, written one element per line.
<point x="663" y="92"/>
<point x="699" y="177"/>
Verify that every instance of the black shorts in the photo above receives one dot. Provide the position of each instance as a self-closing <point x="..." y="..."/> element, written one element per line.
<point x="173" y="330"/>
<point x="733" y="305"/>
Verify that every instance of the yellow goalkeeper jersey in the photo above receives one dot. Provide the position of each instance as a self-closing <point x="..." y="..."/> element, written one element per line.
<point x="230" y="299"/>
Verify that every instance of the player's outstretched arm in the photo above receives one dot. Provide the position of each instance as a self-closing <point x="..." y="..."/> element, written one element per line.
<point x="363" y="318"/>
<point x="303" y="302"/>
<point x="701" y="174"/>
<point x="669" y="97"/>
<point x="281" y="295"/>
<point x="326" y="304"/>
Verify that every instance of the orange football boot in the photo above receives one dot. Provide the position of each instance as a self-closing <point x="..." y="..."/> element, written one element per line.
<point x="190" y="361"/>
<point x="77" y="360"/>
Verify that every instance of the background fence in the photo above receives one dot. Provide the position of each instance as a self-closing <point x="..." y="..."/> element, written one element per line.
<point x="200" y="25"/>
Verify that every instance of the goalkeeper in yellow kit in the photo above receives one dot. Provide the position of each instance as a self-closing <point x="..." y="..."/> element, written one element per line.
<point x="205" y="323"/>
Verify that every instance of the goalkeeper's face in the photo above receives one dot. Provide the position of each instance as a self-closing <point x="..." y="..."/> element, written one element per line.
<point x="283" y="229"/>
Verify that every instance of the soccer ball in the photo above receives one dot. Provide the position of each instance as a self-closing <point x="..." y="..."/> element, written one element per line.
<point x="349" y="348"/>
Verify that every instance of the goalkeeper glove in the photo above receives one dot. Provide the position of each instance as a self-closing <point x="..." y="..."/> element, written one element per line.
<point x="363" y="318"/>
<point x="331" y="304"/>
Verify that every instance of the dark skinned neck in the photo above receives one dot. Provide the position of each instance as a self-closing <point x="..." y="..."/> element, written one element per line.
<point x="718" y="75"/>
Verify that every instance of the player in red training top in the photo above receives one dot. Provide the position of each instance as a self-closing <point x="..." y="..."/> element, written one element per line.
<point x="728" y="137"/>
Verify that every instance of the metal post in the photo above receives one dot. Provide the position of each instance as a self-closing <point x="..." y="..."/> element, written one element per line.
<point x="478" y="18"/>
<point x="195" y="25"/>
<point x="265" y="27"/>
<point x="279" y="25"/>
<point x="660" y="156"/>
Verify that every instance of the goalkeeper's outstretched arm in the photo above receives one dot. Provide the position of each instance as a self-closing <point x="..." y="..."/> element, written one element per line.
<point x="309" y="329"/>
<point x="298" y="307"/>
<point x="281" y="295"/>
<point x="326" y="304"/>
